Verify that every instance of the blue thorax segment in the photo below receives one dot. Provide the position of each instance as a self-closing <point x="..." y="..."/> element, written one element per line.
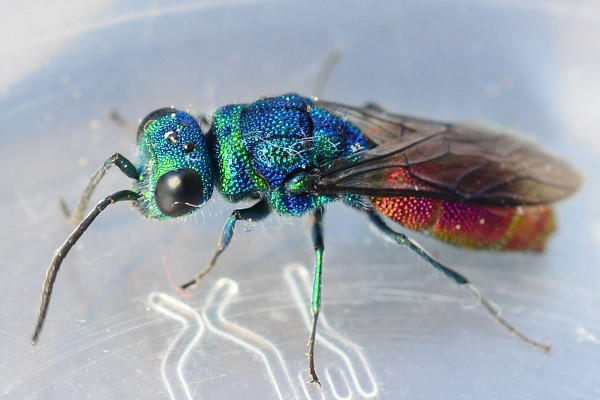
<point x="258" y="145"/>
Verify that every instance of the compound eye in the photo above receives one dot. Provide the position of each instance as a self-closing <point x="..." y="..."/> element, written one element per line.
<point x="178" y="192"/>
<point x="161" y="112"/>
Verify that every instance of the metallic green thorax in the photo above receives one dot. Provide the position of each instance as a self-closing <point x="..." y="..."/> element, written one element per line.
<point x="266" y="146"/>
<point x="236" y="177"/>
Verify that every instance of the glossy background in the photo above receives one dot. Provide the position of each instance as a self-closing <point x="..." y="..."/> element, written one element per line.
<point x="527" y="64"/>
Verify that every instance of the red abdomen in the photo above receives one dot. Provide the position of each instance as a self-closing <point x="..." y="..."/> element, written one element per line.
<point x="471" y="226"/>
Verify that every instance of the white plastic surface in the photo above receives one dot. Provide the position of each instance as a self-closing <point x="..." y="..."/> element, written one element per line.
<point x="390" y="328"/>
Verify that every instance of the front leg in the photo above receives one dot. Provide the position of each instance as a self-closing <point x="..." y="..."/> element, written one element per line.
<point x="126" y="166"/>
<point x="254" y="213"/>
<point x="317" y="238"/>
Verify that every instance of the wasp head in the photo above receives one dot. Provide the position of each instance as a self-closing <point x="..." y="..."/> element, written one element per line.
<point x="176" y="173"/>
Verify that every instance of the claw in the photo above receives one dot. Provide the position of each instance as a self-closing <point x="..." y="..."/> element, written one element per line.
<point x="313" y="374"/>
<point x="315" y="380"/>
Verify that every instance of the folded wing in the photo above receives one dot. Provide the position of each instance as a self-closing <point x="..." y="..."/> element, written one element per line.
<point x="462" y="162"/>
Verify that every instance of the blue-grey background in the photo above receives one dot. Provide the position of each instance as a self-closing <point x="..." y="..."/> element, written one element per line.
<point x="527" y="64"/>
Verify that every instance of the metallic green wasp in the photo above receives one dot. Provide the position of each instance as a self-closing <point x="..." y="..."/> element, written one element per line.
<point x="468" y="186"/>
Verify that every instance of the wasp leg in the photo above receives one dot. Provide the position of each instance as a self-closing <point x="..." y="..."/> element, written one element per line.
<point x="63" y="250"/>
<point x="254" y="213"/>
<point x="121" y="122"/>
<point x="374" y="107"/>
<point x="317" y="238"/>
<point x="455" y="276"/>
<point x="325" y="70"/>
<point x="117" y="159"/>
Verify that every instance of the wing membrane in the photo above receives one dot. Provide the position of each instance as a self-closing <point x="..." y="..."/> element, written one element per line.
<point x="468" y="163"/>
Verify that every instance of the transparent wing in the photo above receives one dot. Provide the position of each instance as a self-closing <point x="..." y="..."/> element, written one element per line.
<point x="468" y="163"/>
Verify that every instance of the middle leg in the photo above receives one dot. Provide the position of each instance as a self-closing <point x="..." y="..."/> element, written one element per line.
<point x="317" y="238"/>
